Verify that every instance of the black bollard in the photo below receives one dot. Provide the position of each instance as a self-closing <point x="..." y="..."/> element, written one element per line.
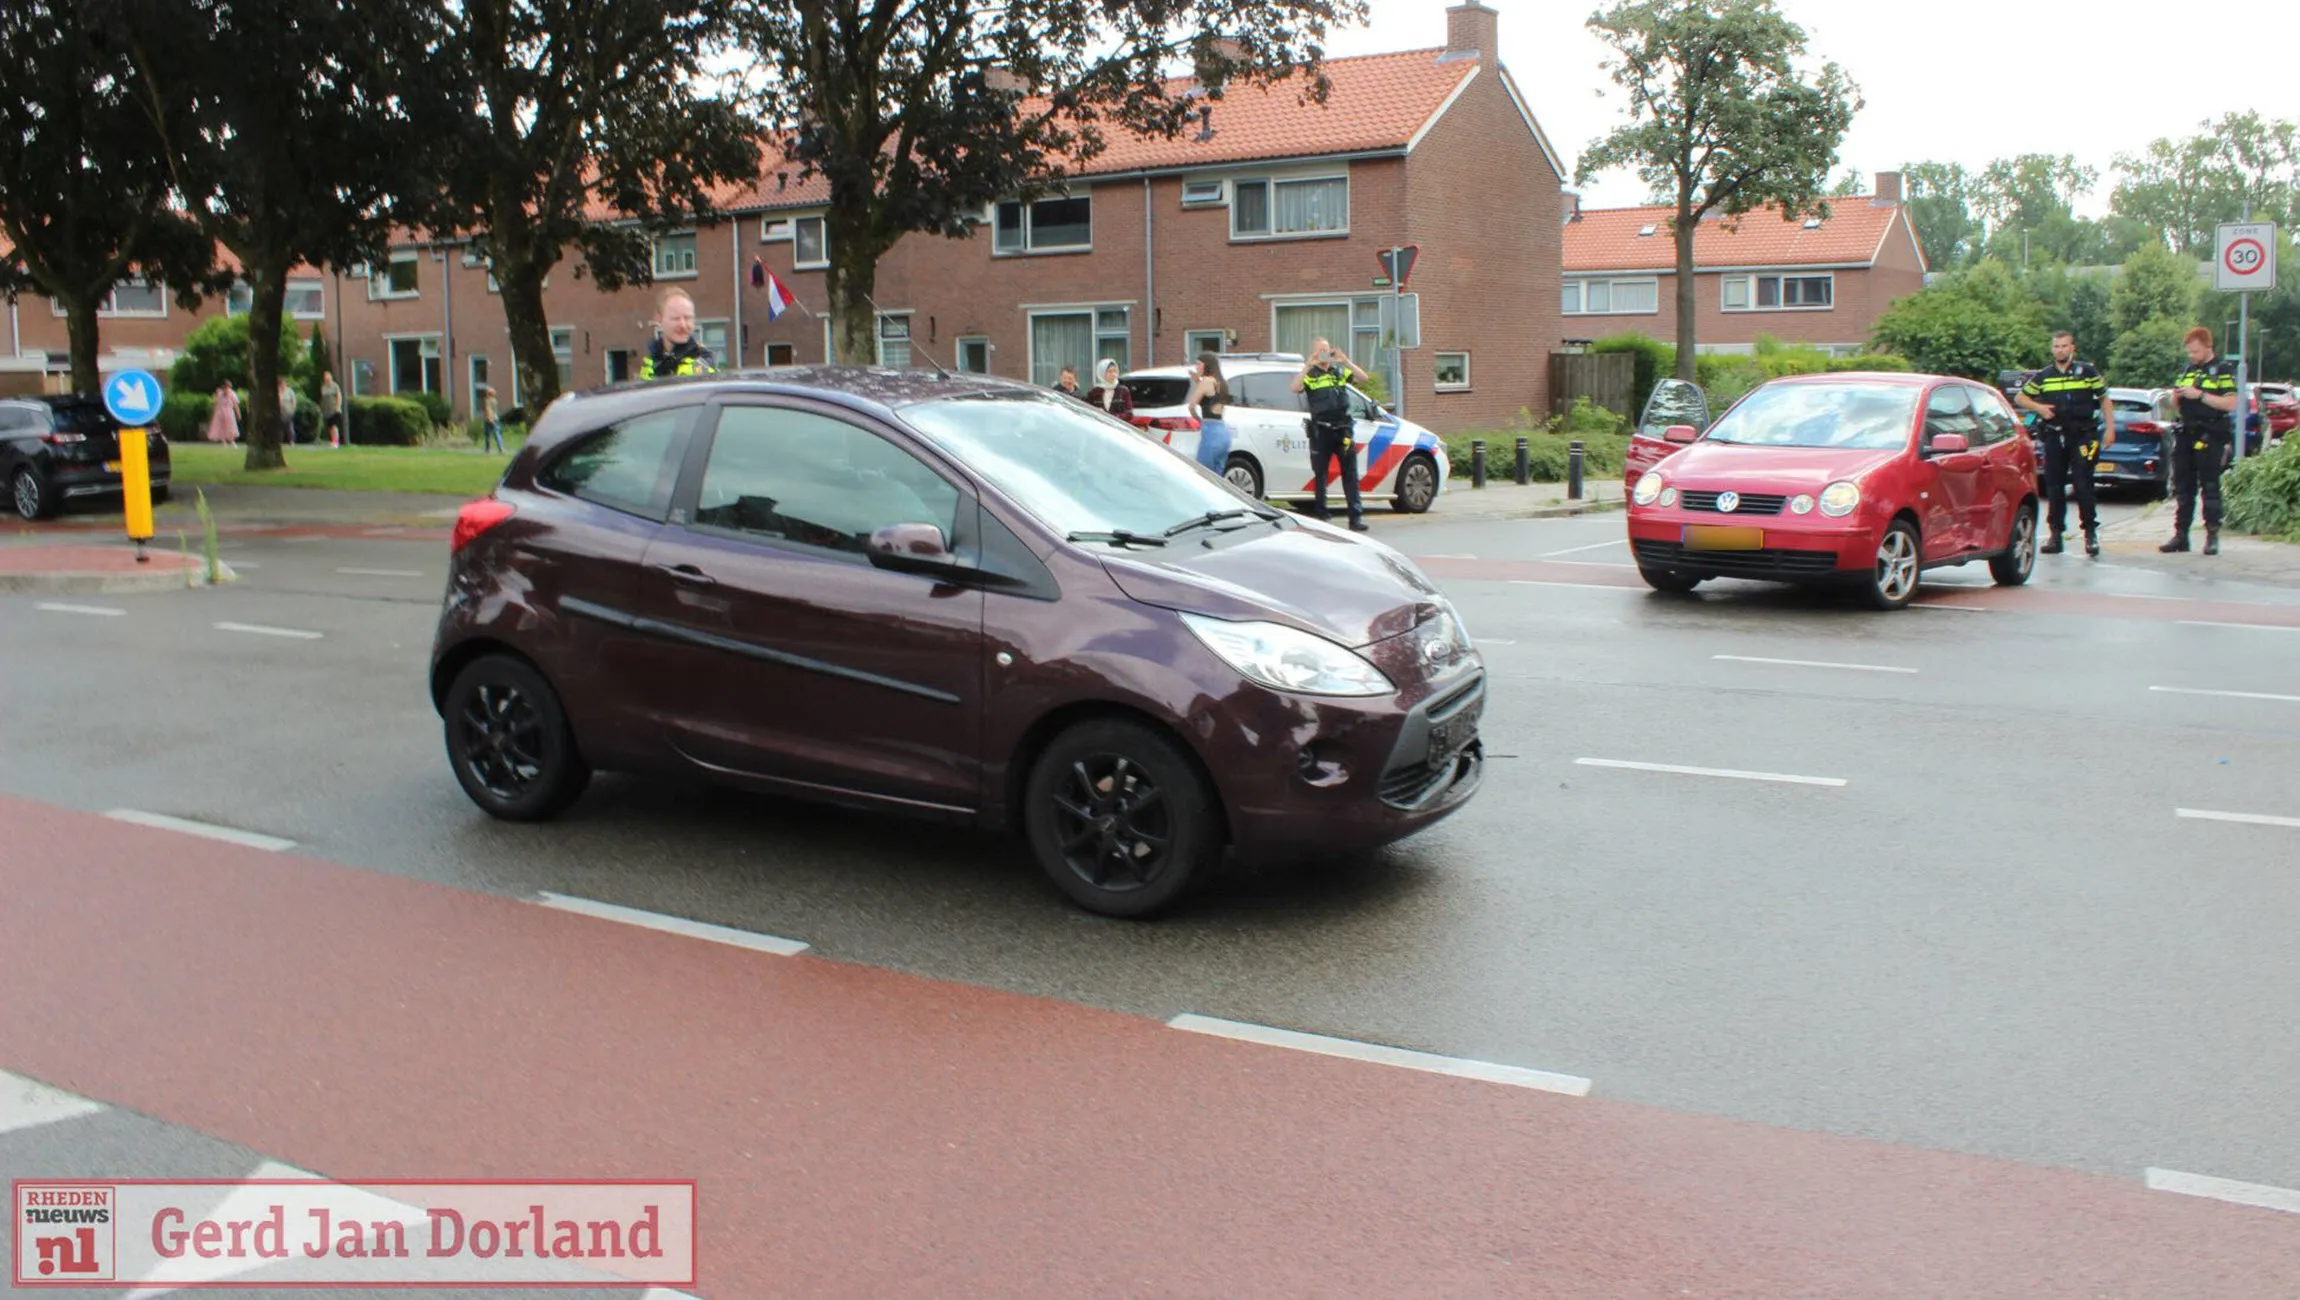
<point x="1477" y="462"/>
<point x="1573" y="470"/>
<point x="1524" y="463"/>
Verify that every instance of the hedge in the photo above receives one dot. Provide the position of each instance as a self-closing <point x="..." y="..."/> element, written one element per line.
<point x="1603" y="435"/>
<point x="184" y="418"/>
<point x="387" y="421"/>
<point x="2262" y="493"/>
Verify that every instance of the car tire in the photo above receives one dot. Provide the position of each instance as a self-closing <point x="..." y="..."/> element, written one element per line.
<point x="509" y="742"/>
<point x="1243" y="474"/>
<point x="1674" y="581"/>
<point x="160" y="495"/>
<point x="1119" y="818"/>
<point x="2012" y="566"/>
<point x="28" y="494"/>
<point x="1898" y="570"/>
<point x="1417" y="484"/>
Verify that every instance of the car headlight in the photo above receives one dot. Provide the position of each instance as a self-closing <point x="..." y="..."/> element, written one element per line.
<point x="1840" y="499"/>
<point x="1288" y="659"/>
<point x="1648" y="490"/>
<point x="1801" y="504"/>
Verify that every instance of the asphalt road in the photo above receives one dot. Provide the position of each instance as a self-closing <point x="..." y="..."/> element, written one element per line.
<point x="1982" y="925"/>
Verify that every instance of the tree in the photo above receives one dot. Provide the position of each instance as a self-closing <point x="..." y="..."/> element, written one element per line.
<point x="2155" y="283"/>
<point x="2181" y="189"/>
<point x="920" y="114"/>
<point x="1719" y="118"/>
<point x="2275" y="346"/>
<point x="583" y="125"/>
<point x="2149" y="354"/>
<point x="85" y="202"/>
<point x="1973" y="323"/>
<point x="292" y="129"/>
<point x="1939" y="205"/>
<point x="217" y="353"/>
<point x="1849" y="186"/>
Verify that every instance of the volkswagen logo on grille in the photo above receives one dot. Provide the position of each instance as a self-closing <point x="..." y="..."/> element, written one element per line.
<point x="1728" y="502"/>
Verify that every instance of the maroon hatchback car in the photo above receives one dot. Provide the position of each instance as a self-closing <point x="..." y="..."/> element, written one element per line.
<point x="951" y="597"/>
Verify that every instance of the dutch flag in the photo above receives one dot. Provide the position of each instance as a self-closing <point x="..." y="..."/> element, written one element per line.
<point x="778" y="297"/>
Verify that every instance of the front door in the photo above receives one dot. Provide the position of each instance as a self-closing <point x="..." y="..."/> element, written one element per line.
<point x="1951" y="484"/>
<point x="802" y="663"/>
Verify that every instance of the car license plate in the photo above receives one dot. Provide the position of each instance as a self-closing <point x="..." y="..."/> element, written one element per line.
<point x="1703" y="537"/>
<point x="1449" y="737"/>
<point x="111" y="467"/>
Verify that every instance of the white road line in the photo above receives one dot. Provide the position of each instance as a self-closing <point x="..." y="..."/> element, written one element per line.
<point x="1583" y="586"/>
<point x="2247" y="819"/>
<point x="673" y="925"/>
<point x="1513" y="1075"/>
<point x="1494" y="640"/>
<point x="258" y="629"/>
<point x="1593" y="546"/>
<point x="1444" y="556"/>
<point x="1732" y="773"/>
<point x="1813" y="663"/>
<point x="2250" y="627"/>
<point x="29" y="1103"/>
<point x="104" y="611"/>
<point x="1961" y="609"/>
<point x="382" y="573"/>
<point x="2232" y="695"/>
<point x="205" y="830"/>
<point x="2225" y="1189"/>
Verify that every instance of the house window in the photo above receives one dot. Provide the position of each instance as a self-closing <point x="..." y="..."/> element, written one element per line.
<point x="1611" y="297"/>
<point x="675" y="256"/>
<point x="307" y="299"/>
<point x="132" y="298"/>
<point x="563" y="351"/>
<point x="1079" y="340"/>
<point x="1778" y="292"/>
<point x="774" y="230"/>
<point x="1452" y="371"/>
<point x="415" y="364"/>
<point x="712" y="334"/>
<point x="1352" y="324"/>
<point x="974" y="355"/>
<point x="1197" y="341"/>
<point x="782" y="354"/>
<point x="894" y="340"/>
<point x="619" y="365"/>
<point x="1263" y="207"/>
<point x="400" y="278"/>
<point x="478" y="385"/>
<point x="1201" y="194"/>
<point x="240" y="299"/>
<point x="1046" y="226"/>
<point x="810" y="243"/>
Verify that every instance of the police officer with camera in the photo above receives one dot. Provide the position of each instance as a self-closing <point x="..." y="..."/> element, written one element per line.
<point x="2074" y="422"/>
<point x="1325" y="379"/>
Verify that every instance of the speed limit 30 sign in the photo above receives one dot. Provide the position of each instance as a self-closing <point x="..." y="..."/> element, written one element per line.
<point x="2244" y="257"/>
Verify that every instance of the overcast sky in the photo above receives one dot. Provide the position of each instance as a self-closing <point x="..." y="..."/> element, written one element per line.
<point x="1942" y="79"/>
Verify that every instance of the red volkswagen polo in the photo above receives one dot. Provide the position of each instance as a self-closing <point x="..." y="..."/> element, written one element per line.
<point x="1861" y="479"/>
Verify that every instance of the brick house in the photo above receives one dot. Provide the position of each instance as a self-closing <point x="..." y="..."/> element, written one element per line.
<point x="141" y="327"/>
<point x="1257" y="234"/>
<point x="1818" y="281"/>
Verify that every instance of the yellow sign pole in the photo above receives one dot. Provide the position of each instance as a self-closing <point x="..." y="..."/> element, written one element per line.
<point x="136" y="487"/>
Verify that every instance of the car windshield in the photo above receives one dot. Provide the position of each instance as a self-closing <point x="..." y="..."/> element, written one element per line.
<point x="1855" y="416"/>
<point x="1074" y="469"/>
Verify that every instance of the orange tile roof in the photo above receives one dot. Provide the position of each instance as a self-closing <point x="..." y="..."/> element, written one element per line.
<point x="1607" y="239"/>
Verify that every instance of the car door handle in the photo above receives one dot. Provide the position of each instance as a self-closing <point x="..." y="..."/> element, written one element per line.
<point x="688" y="574"/>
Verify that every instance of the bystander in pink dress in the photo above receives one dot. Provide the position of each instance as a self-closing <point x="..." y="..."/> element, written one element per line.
<point x="224" y="424"/>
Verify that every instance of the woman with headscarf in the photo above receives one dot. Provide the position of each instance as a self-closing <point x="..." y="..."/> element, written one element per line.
<point x="1112" y="396"/>
<point x="1209" y="400"/>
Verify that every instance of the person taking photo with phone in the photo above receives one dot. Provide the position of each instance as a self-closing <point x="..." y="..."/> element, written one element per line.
<point x="1325" y="380"/>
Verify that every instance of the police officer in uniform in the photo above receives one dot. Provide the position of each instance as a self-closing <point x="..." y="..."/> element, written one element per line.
<point x="2074" y="421"/>
<point x="2207" y="393"/>
<point x="675" y="351"/>
<point x="1325" y="379"/>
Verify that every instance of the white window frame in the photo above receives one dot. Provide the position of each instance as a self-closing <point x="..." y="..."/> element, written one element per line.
<point x="471" y="382"/>
<point x="879" y="335"/>
<point x="315" y="285"/>
<point x="564" y="358"/>
<point x="1612" y="285"/>
<point x="1218" y="198"/>
<point x="725" y="330"/>
<point x="822" y="220"/>
<point x="391" y="386"/>
<point x="685" y="267"/>
<point x="1749" y="282"/>
<point x="1272" y="180"/>
<point x="777" y="230"/>
<point x="633" y="360"/>
<point x="1437" y="361"/>
<point x="239" y="298"/>
<point x="1193" y="342"/>
<point x="1030" y="246"/>
<point x="1092" y="311"/>
<point x="385" y="293"/>
<point x="109" y="309"/>
<point x="1365" y="351"/>
<point x="958" y="352"/>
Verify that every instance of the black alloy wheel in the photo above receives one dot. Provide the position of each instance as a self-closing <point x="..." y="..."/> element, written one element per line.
<point x="28" y="493"/>
<point x="509" y="741"/>
<point x="1119" y="818"/>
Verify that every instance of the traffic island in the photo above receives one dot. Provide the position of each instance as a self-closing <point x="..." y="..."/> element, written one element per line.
<point x="73" y="570"/>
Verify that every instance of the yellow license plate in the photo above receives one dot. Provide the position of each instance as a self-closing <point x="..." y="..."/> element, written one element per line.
<point x="1700" y="537"/>
<point x="111" y="467"/>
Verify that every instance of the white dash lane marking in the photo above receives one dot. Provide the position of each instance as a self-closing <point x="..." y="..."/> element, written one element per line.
<point x="1593" y="546"/>
<point x="1731" y="773"/>
<point x="2245" y="819"/>
<point x="382" y="573"/>
<point x="1513" y="1075"/>
<point x="1583" y="586"/>
<point x="1494" y="640"/>
<point x="102" y="611"/>
<point x="2231" y="695"/>
<point x="29" y="1103"/>
<point x="1446" y="555"/>
<point x="673" y="925"/>
<point x="205" y="830"/>
<point x="2249" y="627"/>
<point x="1960" y="609"/>
<point x="1813" y="663"/>
<point x="2225" y="1189"/>
<point x="258" y="629"/>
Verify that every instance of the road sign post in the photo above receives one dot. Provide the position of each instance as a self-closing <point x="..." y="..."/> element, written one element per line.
<point x="1398" y="267"/>
<point x="133" y="397"/>
<point x="2244" y="263"/>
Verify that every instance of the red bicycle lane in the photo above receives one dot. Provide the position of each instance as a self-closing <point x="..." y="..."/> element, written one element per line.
<point x="858" y="1131"/>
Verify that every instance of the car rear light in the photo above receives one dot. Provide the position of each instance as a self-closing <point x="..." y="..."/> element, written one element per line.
<point x="1171" y="422"/>
<point x="2143" y="426"/>
<point x="477" y="518"/>
<point x="63" y="439"/>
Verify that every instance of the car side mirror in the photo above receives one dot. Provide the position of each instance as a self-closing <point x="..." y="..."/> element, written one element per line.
<point x="1948" y="444"/>
<point x="1681" y="433"/>
<point x="910" y="548"/>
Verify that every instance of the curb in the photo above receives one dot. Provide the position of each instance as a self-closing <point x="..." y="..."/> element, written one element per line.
<point x="87" y="583"/>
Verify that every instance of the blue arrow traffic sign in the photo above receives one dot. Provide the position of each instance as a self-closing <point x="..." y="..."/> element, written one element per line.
<point x="133" y="397"/>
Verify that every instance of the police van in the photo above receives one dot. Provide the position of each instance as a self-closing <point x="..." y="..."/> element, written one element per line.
<point x="1270" y="433"/>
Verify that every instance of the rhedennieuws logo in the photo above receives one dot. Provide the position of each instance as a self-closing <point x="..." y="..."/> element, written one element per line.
<point x="136" y="1232"/>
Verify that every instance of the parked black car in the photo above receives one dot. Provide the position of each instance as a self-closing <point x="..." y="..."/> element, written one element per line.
<point x="57" y="449"/>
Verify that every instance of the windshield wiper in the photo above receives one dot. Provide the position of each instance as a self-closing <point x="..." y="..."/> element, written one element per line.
<point x="1213" y="517"/>
<point x="1117" y="537"/>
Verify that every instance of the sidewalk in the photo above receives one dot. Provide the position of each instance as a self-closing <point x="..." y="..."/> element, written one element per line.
<point x="2133" y="539"/>
<point x="1502" y="499"/>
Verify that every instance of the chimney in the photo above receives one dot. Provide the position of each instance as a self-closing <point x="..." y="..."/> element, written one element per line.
<point x="1888" y="187"/>
<point x="1471" y="28"/>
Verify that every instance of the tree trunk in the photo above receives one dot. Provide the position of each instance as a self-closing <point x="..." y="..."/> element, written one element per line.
<point x="268" y="282"/>
<point x="523" y="315"/>
<point x="852" y="280"/>
<point x="1686" y="295"/>
<point x="80" y="322"/>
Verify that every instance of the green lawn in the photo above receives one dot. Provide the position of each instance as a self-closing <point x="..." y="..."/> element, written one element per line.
<point x="453" y="470"/>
